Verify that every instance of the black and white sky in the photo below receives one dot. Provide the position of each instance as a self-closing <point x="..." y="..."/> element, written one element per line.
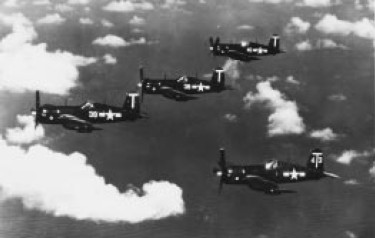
<point x="153" y="178"/>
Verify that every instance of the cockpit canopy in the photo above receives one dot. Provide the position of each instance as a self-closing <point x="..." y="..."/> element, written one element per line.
<point x="87" y="105"/>
<point x="183" y="79"/>
<point x="271" y="164"/>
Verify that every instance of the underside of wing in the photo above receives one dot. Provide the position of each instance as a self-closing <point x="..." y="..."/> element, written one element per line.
<point x="261" y="184"/>
<point x="241" y="55"/>
<point x="71" y="122"/>
<point x="174" y="94"/>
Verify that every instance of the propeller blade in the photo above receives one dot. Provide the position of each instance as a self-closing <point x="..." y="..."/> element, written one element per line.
<point x="221" y="183"/>
<point x="37" y="107"/>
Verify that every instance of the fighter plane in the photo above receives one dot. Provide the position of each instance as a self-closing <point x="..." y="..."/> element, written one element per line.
<point x="266" y="177"/>
<point x="81" y="118"/>
<point x="245" y="51"/>
<point x="183" y="87"/>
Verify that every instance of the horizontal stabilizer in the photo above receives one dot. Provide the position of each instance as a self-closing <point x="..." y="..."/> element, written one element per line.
<point x="331" y="175"/>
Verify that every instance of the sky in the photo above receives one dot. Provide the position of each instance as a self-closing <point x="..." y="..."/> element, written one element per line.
<point x="154" y="177"/>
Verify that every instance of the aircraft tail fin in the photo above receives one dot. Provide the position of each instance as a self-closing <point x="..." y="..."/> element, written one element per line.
<point x="316" y="160"/>
<point x="132" y="103"/>
<point x="218" y="78"/>
<point x="274" y="44"/>
<point x="141" y="80"/>
<point x="214" y="44"/>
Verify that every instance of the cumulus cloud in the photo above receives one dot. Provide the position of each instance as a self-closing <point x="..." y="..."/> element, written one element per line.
<point x="330" y="24"/>
<point x="32" y="175"/>
<point x="290" y="79"/>
<point x="27" y="132"/>
<point x="245" y="27"/>
<point x="27" y="66"/>
<point x="231" y="68"/>
<point x="317" y="3"/>
<point x="116" y="41"/>
<point x="41" y="2"/>
<point x="350" y="234"/>
<point x="173" y="4"/>
<point x="106" y="23"/>
<point x="137" y="21"/>
<point x="230" y="117"/>
<point x="284" y="118"/>
<point x="85" y="21"/>
<point x="128" y="6"/>
<point x="297" y="25"/>
<point x="52" y="19"/>
<point x="324" y="134"/>
<point x="328" y="44"/>
<point x="349" y="155"/>
<point x="304" y="45"/>
<point x="109" y="59"/>
<point x="62" y="7"/>
<point x="110" y="40"/>
<point x="78" y="2"/>
<point x="351" y="182"/>
<point x="337" y="97"/>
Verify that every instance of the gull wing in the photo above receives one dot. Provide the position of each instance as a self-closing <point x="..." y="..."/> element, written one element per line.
<point x="174" y="94"/>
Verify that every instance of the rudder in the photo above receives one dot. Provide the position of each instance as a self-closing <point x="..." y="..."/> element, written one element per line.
<point x="316" y="160"/>
<point x="218" y="78"/>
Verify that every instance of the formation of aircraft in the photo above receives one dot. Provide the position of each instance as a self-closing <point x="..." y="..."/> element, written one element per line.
<point x="184" y="87"/>
<point x="267" y="177"/>
<point x="83" y="117"/>
<point x="245" y="51"/>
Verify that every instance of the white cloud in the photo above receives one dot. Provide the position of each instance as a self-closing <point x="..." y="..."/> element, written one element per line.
<point x="231" y="68"/>
<point x="86" y="21"/>
<point x="26" y="66"/>
<point x="107" y="23"/>
<point x="245" y="27"/>
<point x="290" y="79"/>
<point x="116" y="41"/>
<point x="297" y="25"/>
<point x="11" y="3"/>
<point x="109" y="59"/>
<point x="25" y="134"/>
<point x="128" y="6"/>
<point x="349" y="155"/>
<point x="304" y="45"/>
<point x="350" y="234"/>
<point x="328" y="44"/>
<point x="337" y="97"/>
<point x="271" y="1"/>
<point x="65" y="185"/>
<point x="137" y="21"/>
<point x="63" y="7"/>
<point x="52" y="19"/>
<point x="173" y="4"/>
<point x="351" y="182"/>
<point x="230" y="117"/>
<point x="324" y="134"/>
<point x="316" y="3"/>
<point x="41" y="2"/>
<point x="329" y="24"/>
<point x="110" y="40"/>
<point x="284" y="118"/>
<point x="78" y="2"/>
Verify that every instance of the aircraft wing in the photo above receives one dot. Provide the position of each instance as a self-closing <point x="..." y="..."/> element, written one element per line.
<point x="261" y="184"/>
<point x="177" y="95"/>
<point x="74" y="123"/>
<point x="241" y="55"/>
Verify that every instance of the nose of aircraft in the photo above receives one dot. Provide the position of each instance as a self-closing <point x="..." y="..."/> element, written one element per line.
<point x="217" y="172"/>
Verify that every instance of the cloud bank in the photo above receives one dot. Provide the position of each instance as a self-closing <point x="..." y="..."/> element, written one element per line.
<point x="26" y="133"/>
<point x="27" y="66"/>
<point x="65" y="185"/>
